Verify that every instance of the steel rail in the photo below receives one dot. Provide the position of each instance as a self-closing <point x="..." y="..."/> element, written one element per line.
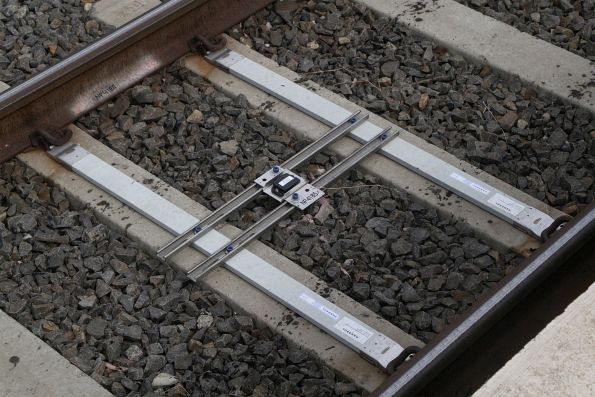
<point x="61" y="94"/>
<point x="437" y="355"/>
<point x="250" y="193"/>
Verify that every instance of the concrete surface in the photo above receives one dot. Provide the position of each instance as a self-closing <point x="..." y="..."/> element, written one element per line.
<point x="560" y="361"/>
<point x="500" y="233"/>
<point x="484" y="39"/>
<point x="118" y="12"/>
<point x="237" y="292"/>
<point x="30" y="368"/>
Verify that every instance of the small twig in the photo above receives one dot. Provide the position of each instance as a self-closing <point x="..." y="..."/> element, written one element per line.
<point x="433" y="79"/>
<point x="496" y="120"/>
<point x="373" y="85"/>
<point x="326" y="71"/>
<point x="345" y="272"/>
<point x="354" y="82"/>
<point x="358" y="186"/>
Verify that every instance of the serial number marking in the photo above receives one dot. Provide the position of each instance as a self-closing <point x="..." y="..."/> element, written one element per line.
<point x="358" y="332"/>
<point x="315" y="303"/>
<point x="471" y="184"/>
<point x="309" y="197"/>
<point x="104" y="92"/>
<point x="508" y="205"/>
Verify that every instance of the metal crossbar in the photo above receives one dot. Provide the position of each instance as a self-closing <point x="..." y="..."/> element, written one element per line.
<point x="285" y="209"/>
<point x="200" y="228"/>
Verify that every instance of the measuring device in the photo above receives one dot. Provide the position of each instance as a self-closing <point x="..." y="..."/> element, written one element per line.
<point x="301" y="196"/>
<point x="281" y="185"/>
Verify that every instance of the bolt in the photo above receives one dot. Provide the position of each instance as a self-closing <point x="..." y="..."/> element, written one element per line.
<point x="295" y="196"/>
<point x="383" y="137"/>
<point x="352" y="120"/>
<point x="197" y="230"/>
<point x="276" y="169"/>
<point x="229" y="248"/>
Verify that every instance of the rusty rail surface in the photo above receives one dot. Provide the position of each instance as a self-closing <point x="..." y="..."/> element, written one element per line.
<point x="35" y="111"/>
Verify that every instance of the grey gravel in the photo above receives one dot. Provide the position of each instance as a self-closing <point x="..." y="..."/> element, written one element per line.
<point x="35" y="35"/>
<point x="537" y="144"/>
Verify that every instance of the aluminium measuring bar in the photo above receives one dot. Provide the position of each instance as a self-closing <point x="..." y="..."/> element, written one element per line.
<point x="219" y="215"/>
<point x="529" y="219"/>
<point x="286" y="208"/>
<point x="374" y="346"/>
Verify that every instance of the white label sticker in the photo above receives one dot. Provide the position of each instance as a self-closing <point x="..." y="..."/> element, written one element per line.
<point x="319" y="306"/>
<point x="357" y="332"/>
<point x="309" y="195"/>
<point x="471" y="184"/>
<point x="506" y="204"/>
<point x="286" y="180"/>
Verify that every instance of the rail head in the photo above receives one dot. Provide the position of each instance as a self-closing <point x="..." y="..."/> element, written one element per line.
<point x="80" y="61"/>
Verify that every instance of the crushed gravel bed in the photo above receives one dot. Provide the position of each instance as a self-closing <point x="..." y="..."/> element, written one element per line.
<point x="140" y="328"/>
<point x="539" y="145"/>
<point x="135" y="325"/>
<point x="401" y="260"/>
<point x="35" y="35"/>
<point x="569" y="24"/>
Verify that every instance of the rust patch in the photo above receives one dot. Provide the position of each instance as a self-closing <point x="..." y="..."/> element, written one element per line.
<point x="528" y="248"/>
<point x="198" y="65"/>
<point x="40" y="162"/>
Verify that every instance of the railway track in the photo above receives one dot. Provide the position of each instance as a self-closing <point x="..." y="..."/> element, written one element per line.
<point x="415" y="248"/>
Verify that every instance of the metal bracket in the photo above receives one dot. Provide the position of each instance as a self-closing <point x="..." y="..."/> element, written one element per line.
<point x="45" y="139"/>
<point x="268" y="177"/>
<point x="68" y="154"/>
<point x="302" y="195"/>
<point x="203" y="45"/>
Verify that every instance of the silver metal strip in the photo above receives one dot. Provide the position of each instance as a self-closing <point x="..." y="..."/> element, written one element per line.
<point x="371" y="344"/>
<point x="285" y="209"/>
<point x="195" y="231"/>
<point x="237" y="244"/>
<point x="489" y="198"/>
